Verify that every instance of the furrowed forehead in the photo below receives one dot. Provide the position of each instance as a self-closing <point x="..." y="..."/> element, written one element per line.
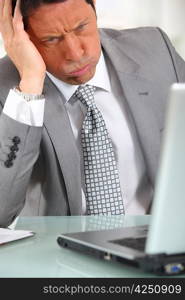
<point x="57" y="17"/>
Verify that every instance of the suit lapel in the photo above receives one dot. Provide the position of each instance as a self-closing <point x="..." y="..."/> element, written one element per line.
<point x="58" y="127"/>
<point x="140" y="94"/>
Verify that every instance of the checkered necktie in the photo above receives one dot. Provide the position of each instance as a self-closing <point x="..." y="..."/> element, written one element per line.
<point x="103" y="192"/>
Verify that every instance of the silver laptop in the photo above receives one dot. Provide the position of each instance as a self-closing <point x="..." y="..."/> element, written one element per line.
<point x="160" y="248"/>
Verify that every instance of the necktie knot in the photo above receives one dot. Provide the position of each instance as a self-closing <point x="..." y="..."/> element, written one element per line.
<point x="85" y="93"/>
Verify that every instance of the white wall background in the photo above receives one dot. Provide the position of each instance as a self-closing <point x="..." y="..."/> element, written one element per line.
<point x="167" y="14"/>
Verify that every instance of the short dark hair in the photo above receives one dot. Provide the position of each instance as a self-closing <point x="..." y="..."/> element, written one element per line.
<point x="28" y="6"/>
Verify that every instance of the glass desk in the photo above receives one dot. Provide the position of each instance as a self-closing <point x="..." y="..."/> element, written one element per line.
<point x="41" y="256"/>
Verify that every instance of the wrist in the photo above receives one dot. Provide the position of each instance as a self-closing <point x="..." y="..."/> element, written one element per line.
<point x="32" y="85"/>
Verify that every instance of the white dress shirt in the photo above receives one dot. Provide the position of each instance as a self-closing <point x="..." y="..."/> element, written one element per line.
<point x="136" y="189"/>
<point x="27" y="112"/>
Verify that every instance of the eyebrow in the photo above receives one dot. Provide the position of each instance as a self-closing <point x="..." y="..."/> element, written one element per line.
<point x="61" y="35"/>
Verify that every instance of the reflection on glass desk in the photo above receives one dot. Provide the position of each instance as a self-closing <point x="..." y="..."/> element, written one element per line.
<point x="41" y="256"/>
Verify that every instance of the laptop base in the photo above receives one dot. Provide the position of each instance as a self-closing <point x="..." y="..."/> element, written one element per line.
<point x="161" y="264"/>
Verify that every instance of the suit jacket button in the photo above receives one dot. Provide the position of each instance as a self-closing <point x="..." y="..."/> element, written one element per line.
<point x="16" y="140"/>
<point x="14" y="148"/>
<point x="8" y="164"/>
<point x="12" y="156"/>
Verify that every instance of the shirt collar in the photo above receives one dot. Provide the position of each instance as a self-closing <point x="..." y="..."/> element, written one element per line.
<point x="100" y="80"/>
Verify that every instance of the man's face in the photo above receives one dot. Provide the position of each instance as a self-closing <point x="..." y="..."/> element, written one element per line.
<point x="67" y="37"/>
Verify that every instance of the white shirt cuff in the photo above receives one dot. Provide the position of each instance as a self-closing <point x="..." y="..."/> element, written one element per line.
<point x="30" y="113"/>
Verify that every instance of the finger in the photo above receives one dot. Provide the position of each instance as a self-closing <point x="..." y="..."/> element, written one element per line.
<point x="7" y="11"/>
<point x="6" y="19"/>
<point x="1" y="8"/>
<point x="18" y="19"/>
<point x="17" y="11"/>
<point x="1" y="11"/>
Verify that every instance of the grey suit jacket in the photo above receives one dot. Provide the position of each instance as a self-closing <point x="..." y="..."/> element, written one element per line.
<point x="45" y="177"/>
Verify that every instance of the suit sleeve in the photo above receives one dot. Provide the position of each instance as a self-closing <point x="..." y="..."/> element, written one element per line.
<point x="178" y="62"/>
<point x="19" y="150"/>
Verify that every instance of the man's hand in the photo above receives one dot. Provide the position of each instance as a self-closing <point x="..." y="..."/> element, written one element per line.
<point x="20" y="49"/>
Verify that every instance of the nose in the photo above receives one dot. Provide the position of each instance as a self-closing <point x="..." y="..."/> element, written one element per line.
<point x="73" y="48"/>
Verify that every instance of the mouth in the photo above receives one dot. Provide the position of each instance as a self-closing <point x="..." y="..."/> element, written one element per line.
<point x="80" y="72"/>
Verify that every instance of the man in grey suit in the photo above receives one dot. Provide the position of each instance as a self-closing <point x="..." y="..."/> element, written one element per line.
<point x="58" y="50"/>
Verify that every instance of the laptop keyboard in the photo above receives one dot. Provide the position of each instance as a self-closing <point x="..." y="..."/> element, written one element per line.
<point x="135" y="243"/>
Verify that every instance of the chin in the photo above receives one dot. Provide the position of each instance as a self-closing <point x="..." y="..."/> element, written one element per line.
<point x="82" y="79"/>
